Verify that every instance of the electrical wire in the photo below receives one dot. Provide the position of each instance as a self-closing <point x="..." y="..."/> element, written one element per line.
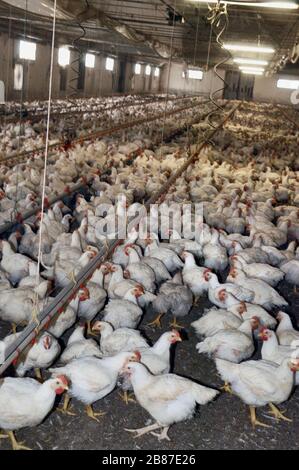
<point x="14" y="213"/>
<point x="39" y="257"/>
<point x="218" y="18"/>
<point x="168" y="75"/>
<point x="74" y="81"/>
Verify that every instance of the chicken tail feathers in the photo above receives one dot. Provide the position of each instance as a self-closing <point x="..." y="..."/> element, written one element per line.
<point x="226" y="369"/>
<point x="203" y="394"/>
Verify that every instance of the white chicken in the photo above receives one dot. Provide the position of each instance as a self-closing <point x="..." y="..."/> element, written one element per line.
<point x="264" y="294"/>
<point x="286" y="332"/>
<point x="265" y="272"/>
<point x="234" y="345"/>
<point x="260" y="383"/>
<point x="92" y="378"/>
<point x="41" y="355"/>
<point x="167" y="398"/>
<point x="120" y="340"/>
<point x="26" y="402"/>
<point x="124" y="313"/>
<point x="14" y="264"/>
<point x="215" y="320"/>
<point x="78" y="346"/>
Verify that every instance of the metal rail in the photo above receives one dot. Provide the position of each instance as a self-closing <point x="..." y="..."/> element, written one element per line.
<point x="62" y="299"/>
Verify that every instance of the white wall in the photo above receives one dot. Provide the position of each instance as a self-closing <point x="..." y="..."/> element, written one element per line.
<point x="178" y="84"/>
<point x="265" y="89"/>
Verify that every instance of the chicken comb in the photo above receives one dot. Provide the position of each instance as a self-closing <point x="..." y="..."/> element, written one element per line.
<point x="263" y="329"/>
<point x="85" y="290"/>
<point x="207" y="270"/>
<point x="63" y="379"/>
<point x="137" y="355"/>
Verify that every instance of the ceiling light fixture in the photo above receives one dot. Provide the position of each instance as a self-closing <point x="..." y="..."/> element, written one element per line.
<point x="279" y="5"/>
<point x="252" y="69"/>
<point x="246" y="72"/>
<point x="248" y="48"/>
<point x="250" y="61"/>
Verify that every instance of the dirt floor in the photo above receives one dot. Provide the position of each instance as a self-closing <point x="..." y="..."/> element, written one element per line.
<point x="223" y="424"/>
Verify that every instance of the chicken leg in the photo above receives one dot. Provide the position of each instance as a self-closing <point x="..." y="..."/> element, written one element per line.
<point x="92" y="414"/>
<point x="254" y="420"/>
<point x="157" y="322"/>
<point x="38" y="374"/>
<point x="15" y="444"/>
<point x="127" y="397"/>
<point x="65" y="409"/>
<point x="278" y="414"/>
<point x="147" y="429"/>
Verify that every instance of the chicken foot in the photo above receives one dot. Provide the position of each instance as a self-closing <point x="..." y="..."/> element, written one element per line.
<point x="127" y="397"/>
<point x="163" y="435"/>
<point x="175" y="324"/>
<point x="254" y="420"/>
<point x="278" y="414"/>
<point x="142" y="431"/>
<point x="157" y="322"/>
<point x="65" y="409"/>
<point x="227" y="388"/>
<point x="15" y="444"/>
<point x="90" y="412"/>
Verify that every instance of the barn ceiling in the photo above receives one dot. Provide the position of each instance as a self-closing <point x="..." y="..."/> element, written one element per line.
<point x="155" y="29"/>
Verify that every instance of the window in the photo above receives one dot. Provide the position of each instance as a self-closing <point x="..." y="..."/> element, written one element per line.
<point x="90" y="61"/>
<point x="157" y="72"/>
<point x="195" y="74"/>
<point x="148" y="70"/>
<point x="137" y="69"/>
<point x="18" y="77"/>
<point x="64" y="56"/>
<point x="27" y="50"/>
<point x="288" y="84"/>
<point x="110" y="64"/>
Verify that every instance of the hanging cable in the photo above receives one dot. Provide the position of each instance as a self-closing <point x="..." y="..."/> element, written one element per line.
<point x="74" y="81"/>
<point x="14" y="214"/>
<point x="168" y="75"/>
<point x="39" y="258"/>
<point x="218" y="18"/>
